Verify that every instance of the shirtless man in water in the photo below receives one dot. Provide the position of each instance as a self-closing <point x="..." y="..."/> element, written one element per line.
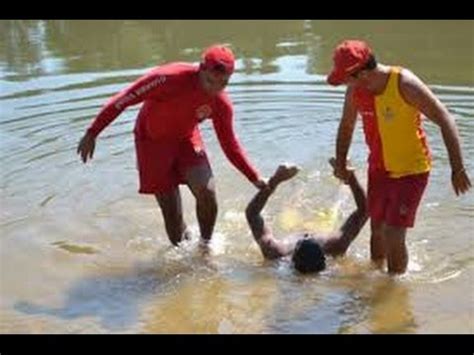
<point x="307" y="250"/>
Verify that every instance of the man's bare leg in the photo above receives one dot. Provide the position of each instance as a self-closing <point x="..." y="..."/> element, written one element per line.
<point x="171" y="208"/>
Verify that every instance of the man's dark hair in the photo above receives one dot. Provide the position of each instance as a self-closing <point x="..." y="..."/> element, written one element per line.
<point x="370" y="64"/>
<point x="308" y="256"/>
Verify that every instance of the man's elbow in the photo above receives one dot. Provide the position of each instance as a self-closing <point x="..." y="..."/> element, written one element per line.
<point x="363" y="215"/>
<point x="362" y="205"/>
<point x="249" y="213"/>
<point x="362" y="212"/>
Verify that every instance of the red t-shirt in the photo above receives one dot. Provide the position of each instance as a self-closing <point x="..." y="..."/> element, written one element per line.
<point x="174" y="103"/>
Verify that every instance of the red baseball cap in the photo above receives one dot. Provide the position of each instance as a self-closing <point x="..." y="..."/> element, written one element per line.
<point x="349" y="56"/>
<point x="218" y="57"/>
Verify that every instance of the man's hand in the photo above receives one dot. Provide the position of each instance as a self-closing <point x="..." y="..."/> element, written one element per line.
<point x="342" y="171"/>
<point x="86" y="147"/>
<point x="460" y="181"/>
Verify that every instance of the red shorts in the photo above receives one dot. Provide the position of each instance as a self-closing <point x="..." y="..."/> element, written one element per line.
<point x="162" y="165"/>
<point x="395" y="201"/>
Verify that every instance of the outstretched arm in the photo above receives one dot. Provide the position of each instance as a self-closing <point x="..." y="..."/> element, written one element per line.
<point x="150" y="85"/>
<point x="344" y="135"/>
<point x="340" y="241"/>
<point x="233" y="149"/>
<point x="270" y="247"/>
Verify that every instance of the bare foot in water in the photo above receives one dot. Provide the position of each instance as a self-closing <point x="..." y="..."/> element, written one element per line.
<point x="282" y="173"/>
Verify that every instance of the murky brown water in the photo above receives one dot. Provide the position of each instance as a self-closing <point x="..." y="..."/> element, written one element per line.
<point x="82" y="252"/>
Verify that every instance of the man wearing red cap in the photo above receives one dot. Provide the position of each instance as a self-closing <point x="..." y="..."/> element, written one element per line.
<point x="391" y="101"/>
<point x="176" y="98"/>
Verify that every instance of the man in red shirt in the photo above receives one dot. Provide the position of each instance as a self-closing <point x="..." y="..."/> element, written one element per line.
<point x="176" y="98"/>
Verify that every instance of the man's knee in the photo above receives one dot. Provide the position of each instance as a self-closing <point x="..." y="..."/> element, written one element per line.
<point x="394" y="233"/>
<point x="395" y="240"/>
<point x="206" y="195"/>
<point x="170" y="199"/>
<point x="376" y="228"/>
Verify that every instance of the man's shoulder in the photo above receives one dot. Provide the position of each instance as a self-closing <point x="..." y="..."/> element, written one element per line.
<point x="223" y="98"/>
<point x="176" y="70"/>
<point x="408" y="79"/>
<point x="223" y="103"/>
<point x="410" y="85"/>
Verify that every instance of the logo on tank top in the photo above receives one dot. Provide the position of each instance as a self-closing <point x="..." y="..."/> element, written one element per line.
<point x="203" y="112"/>
<point x="388" y="114"/>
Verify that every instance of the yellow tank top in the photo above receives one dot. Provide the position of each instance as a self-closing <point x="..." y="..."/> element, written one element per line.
<point x="401" y="143"/>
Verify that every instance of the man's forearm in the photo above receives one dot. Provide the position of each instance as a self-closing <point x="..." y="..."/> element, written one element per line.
<point x="343" y="142"/>
<point x="452" y="142"/>
<point x="358" y="193"/>
<point x="260" y="199"/>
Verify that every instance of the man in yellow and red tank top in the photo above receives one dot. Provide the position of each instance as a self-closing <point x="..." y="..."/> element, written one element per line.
<point x="390" y="101"/>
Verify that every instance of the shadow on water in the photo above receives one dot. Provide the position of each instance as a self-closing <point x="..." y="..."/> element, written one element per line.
<point x="351" y="298"/>
<point x="383" y="306"/>
<point x="115" y="297"/>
